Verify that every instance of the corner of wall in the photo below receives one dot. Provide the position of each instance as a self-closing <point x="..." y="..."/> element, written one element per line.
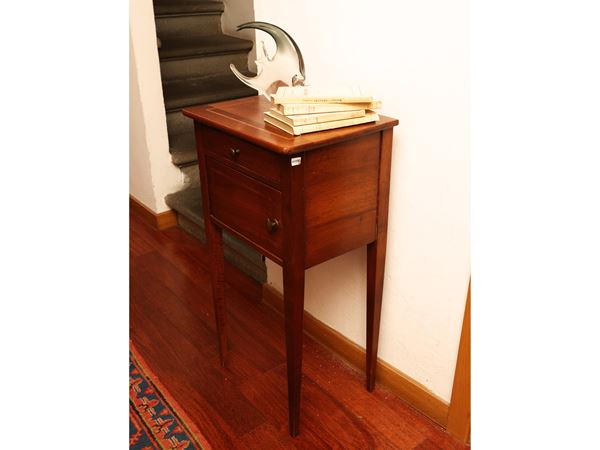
<point x="150" y="161"/>
<point x="140" y="173"/>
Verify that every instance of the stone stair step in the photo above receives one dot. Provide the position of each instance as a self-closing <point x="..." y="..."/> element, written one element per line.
<point x="183" y="149"/>
<point x="188" y="205"/>
<point x="202" y="65"/>
<point x="191" y="175"/>
<point x="194" y="63"/>
<point x="174" y="27"/>
<point x="187" y="202"/>
<point x="202" y="45"/>
<point x="202" y="56"/>
<point x="194" y="91"/>
<point x="177" y="123"/>
<point x="179" y="7"/>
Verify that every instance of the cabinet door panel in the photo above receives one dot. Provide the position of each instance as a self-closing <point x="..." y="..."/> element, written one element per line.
<point x="246" y="206"/>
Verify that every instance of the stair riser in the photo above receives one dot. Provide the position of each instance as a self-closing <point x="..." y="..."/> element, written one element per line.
<point x="191" y="175"/>
<point x="209" y="97"/>
<point x="177" y="123"/>
<point x="188" y="26"/>
<point x="202" y="65"/>
<point x="178" y="8"/>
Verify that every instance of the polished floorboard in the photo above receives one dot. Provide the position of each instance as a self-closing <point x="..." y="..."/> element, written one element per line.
<point x="244" y="405"/>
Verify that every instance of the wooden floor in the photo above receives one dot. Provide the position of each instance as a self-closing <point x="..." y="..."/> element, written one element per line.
<point x="245" y="405"/>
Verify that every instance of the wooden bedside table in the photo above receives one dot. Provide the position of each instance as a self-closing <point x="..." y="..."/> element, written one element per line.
<point x="298" y="200"/>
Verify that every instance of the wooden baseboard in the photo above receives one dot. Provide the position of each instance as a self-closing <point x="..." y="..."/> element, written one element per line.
<point x="459" y="413"/>
<point x="412" y="392"/>
<point x="160" y="221"/>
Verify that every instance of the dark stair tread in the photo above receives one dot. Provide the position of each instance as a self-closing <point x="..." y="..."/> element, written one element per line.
<point x="194" y="91"/>
<point x="183" y="149"/>
<point x="187" y="202"/>
<point x="180" y="7"/>
<point x="202" y="45"/>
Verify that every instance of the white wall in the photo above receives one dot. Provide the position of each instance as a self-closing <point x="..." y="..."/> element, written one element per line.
<point x="238" y="12"/>
<point x="414" y="56"/>
<point x="151" y="174"/>
<point x="140" y="176"/>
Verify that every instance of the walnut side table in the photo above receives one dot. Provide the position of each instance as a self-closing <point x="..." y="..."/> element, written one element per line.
<point x="299" y="200"/>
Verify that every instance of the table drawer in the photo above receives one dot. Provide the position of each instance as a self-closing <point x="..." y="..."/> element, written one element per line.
<point x="242" y="154"/>
<point x="246" y="206"/>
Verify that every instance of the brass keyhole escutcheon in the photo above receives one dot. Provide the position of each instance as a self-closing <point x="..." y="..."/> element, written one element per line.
<point x="272" y="225"/>
<point x="235" y="152"/>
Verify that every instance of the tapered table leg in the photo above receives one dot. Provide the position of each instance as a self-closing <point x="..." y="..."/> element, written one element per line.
<point x="214" y="237"/>
<point x="376" y="257"/>
<point x="214" y="240"/>
<point x="293" y="293"/>
<point x="375" y="268"/>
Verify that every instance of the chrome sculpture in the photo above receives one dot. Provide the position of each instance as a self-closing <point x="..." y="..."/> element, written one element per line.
<point x="284" y="68"/>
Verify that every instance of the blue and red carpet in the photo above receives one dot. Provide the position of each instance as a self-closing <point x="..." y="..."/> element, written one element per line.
<point x="156" y="421"/>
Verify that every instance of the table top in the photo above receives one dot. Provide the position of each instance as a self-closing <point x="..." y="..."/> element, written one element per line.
<point x="243" y="118"/>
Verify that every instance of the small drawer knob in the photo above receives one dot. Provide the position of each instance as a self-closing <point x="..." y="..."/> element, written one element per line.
<point x="272" y="225"/>
<point x="235" y="152"/>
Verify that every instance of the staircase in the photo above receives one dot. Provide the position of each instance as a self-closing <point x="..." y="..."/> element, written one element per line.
<point x="194" y="64"/>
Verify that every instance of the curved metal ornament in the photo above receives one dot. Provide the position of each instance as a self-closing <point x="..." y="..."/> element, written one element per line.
<point x="284" y="68"/>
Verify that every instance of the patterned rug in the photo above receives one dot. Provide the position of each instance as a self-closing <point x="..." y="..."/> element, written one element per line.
<point x="156" y="421"/>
